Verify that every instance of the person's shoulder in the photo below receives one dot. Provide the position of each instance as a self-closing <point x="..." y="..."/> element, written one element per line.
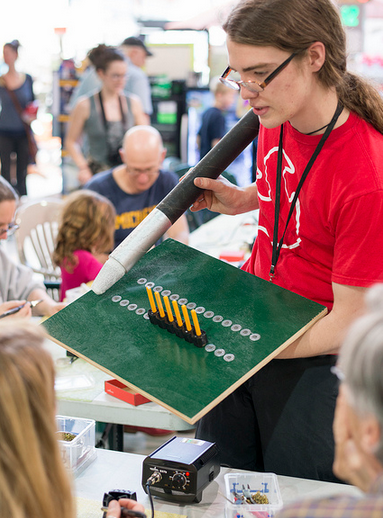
<point x="27" y="78"/>
<point x="134" y="70"/>
<point x="100" y="179"/>
<point x="84" y="256"/>
<point x="8" y="262"/>
<point x="85" y="100"/>
<point x="82" y="107"/>
<point x="212" y="114"/>
<point x="208" y="111"/>
<point x="363" y="129"/>
<point x="3" y="256"/>
<point x="168" y="177"/>
<point x="133" y="98"/>
<point x="213" y="110"/>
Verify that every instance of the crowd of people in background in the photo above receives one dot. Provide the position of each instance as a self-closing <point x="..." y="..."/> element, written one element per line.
<point x="112" y="97"/>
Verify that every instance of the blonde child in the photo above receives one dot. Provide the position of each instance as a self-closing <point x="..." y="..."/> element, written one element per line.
<point x="213" y="124"/>
<point x="85" y="238"/>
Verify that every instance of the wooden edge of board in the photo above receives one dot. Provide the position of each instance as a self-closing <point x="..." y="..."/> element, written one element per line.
<point x="126" y="383"/>
<point x="215" y="402"/>
<point x="258" y="367"/>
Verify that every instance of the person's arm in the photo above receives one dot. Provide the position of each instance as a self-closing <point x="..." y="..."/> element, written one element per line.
<point x="76" y="123"/>
<point x="140" y="117"/>
<point x="48" y="306"/>
<point x="326" y="335"/>
<point x="224" y="197"/>
<point x="352" y="464"/>
<point x="179" y="230"/>
<point x="89" y="82"/>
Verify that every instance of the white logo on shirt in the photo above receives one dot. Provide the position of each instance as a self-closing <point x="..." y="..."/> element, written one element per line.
<point x="265" y="194"/>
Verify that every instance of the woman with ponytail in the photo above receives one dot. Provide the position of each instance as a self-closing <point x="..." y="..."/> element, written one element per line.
<point x="319" y="190"/>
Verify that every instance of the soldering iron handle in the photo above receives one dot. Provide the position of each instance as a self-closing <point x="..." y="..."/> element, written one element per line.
<point x="210" y="166"/>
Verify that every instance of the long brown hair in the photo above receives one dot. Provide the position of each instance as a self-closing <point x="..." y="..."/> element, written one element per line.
<point x="33" y="480"/>
<point x="293" y="25"/>
<point x="87" y="221"/>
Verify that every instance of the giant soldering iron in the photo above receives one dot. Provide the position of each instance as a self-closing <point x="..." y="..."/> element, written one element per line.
<point x="134" y="246"/>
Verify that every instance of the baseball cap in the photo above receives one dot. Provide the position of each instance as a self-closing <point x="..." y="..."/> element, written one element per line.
<point x="136" y="42"/>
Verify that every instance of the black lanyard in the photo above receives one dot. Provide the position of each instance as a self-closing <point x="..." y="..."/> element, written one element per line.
<point x="277" y="246"/>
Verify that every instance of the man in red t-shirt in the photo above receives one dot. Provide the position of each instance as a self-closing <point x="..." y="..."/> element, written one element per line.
<point x="316" y="118"/>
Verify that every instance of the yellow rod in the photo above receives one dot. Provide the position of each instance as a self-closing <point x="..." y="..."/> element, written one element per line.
<point x="195" y="322"/>
<point x="159" y="304"/>
<point x="168" y="308"/>
<point x="186" y="317"/>
<point x="177" y="313"/>
<point x="151" y="299"/>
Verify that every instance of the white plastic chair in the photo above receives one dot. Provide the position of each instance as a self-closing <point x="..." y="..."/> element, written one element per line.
<point x="36" y="237"/>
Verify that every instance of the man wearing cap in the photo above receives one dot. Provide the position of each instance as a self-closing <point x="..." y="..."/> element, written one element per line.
<point x="135" y="53"/>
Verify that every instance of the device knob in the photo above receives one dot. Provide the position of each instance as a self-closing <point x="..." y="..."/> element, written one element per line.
<point x="179" y="481"/>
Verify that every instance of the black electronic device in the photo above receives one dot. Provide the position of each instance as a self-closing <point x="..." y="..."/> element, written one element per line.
<point x="180" y="469"/>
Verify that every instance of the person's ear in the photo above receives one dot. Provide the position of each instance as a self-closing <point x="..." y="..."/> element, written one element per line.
<point x="122" y="154"/>
<point x="317" y="56"/>
<point x="163" y="154"/>
<point x="370" y="434"/>
<point x="100" y="73"/>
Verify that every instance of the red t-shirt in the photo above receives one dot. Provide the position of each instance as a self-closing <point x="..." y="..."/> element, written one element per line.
<point x="335" y="233"/>
<point x="86" y="270"/>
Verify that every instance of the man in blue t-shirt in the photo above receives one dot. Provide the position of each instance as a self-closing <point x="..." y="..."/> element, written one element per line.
<point x="139" y="184"/>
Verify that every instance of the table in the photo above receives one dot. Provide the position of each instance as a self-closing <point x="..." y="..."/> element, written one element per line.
<point x="113" y="470"/>
<point x="80" y="393"/>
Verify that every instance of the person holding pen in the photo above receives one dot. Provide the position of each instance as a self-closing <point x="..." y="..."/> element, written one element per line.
<point x="17" y="283"/>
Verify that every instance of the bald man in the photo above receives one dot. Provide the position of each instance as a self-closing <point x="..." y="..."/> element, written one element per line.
<point x="139" y="184"/>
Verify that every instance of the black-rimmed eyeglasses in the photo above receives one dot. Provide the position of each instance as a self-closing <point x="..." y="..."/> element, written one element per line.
<point x="10" y="230"/>
<point x="254" y="86"/>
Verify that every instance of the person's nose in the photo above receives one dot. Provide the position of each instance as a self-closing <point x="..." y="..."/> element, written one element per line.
<point x="247" y="94"/>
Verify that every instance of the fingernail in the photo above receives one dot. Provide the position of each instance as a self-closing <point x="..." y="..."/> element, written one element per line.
<point x="113" y="504"/>
<point x="198" y="182"/>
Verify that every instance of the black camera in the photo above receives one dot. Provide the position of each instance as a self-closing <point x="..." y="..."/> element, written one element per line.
<point x="114" y="157"/>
